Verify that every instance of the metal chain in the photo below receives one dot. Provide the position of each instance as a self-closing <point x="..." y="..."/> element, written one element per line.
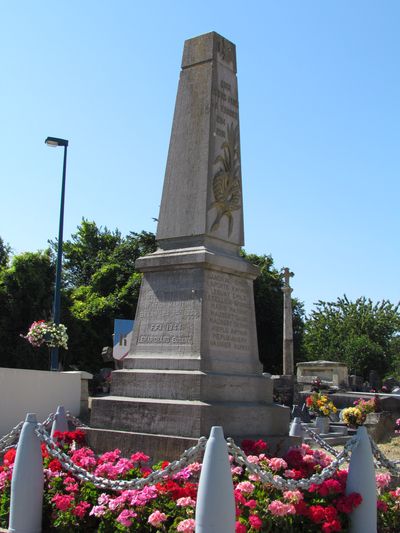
<point x="321" y="441"/>
<point x="75" y="421"/>
<point x="118" y="485"/>
<point x="291" y="484"/>
<point x="10" y="437"/>
<point x="383" y="461"/>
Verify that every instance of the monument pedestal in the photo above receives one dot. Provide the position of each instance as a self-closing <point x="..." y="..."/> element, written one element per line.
<point x="193" y="362"/>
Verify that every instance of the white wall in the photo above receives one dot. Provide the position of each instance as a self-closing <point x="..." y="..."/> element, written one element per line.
<point x="36" y="391"/>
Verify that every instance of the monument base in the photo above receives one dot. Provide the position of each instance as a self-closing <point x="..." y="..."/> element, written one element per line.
<point x="170" y="447"/>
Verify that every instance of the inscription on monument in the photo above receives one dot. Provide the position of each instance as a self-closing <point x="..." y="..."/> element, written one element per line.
<point x="229" y="312"/>
<point x="168" y="318"/>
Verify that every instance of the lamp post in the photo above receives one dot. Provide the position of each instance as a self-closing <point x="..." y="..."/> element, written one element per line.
<point x="54" y="141"/>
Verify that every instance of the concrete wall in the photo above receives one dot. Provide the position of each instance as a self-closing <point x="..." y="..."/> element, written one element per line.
<point x="36" y="391"/>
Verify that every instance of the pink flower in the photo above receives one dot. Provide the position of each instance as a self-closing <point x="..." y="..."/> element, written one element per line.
<point x="156" y="519"/>
<point x="194" y="468"/>
<point x="107" y="470"/>
<point x="383" y="480"/>
<point x="123" y="466"/>
<point x="279" y="508"/>
<point x="81" y="509"/>
<point x="251" y="503"/>
<point x="293" y="496"/>
<point x="103" y="499"/>
<point x="84" y="457"/>
<point x="182" y="474"/>
<point x="140" y="457"/>
<point x="255" y="521"/>
<point x="124" y="518"/>
<point x="254" y="459"/>
<point x="289" y="473"/>
<point x="276" y="463"/>
<point x="63" y="501"/>
<point x="110" y="457"/>
<point x="240" y="528"/>
<point x="236" y="470"/>
<point x="186" y="526"/>
<point x="97" y="510"/>
<point x="245" y="487"/>
<point x="254" y="477"/>
<point x="185" y="502"/>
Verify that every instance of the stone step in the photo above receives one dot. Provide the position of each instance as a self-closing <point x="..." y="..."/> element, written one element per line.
<point x="188" y="418"/>
<point x="191" y="385"/>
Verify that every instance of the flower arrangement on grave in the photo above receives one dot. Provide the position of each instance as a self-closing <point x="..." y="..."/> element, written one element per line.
<point x="368" y="406"/>
<point x="320" y="404"/>
<point x="353" y="416"/>
<point x="48" y="333"/>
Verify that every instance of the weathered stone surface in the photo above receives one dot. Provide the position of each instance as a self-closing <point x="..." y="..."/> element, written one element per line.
<point x="193" y="361"/>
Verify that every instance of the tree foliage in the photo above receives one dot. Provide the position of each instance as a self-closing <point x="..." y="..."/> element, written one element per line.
<point x="100" y="283"/>
<point x="25" y="296"/>
<point x="268" y="298"/>
<point x="361" y="334"/>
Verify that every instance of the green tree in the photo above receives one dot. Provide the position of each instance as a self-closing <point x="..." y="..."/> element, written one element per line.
<point x="358" y="333"/>
<point x="101" y="285"/>
<point x="25" y="296"/>
<point x="5" y="251"/>
<point x="268" y="299"/>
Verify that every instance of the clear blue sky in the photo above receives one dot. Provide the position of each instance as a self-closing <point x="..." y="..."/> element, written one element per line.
<point x="319" y="86"/>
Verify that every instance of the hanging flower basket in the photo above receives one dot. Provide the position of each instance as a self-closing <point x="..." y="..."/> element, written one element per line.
<point x="47" y="333"/>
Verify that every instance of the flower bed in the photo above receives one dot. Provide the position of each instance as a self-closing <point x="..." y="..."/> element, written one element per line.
<point x="70" y="504"/>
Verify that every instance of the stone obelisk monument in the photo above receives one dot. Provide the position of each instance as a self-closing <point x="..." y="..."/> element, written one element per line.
<point x="193" y="362"/>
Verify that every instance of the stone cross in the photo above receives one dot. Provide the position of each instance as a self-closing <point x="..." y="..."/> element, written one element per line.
<point x="288" y="361"/>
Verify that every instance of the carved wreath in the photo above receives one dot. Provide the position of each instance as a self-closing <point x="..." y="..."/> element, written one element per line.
<point x="226" y="182"/>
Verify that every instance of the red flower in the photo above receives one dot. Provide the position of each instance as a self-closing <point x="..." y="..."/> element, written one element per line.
<point x="317" y="513"/>
<point x="301" y="508"/>
<point x="330" y="513"/>
<point x="382" y="506"/>
<point x="55" y="465"/>
<point x="251" y="447"/>
<point x="329" y="527"/>
<point x="9" y="457"/>
<point x="346" y="504"/>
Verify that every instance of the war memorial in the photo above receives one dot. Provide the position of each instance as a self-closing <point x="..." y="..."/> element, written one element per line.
<point x="193" y="362"/>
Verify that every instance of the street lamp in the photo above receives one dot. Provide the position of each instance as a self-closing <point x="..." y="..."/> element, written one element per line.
<point x="54" y="141"/>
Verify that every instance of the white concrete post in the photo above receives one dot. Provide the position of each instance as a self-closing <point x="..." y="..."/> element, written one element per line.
<point x="27" y="482"/>
<point x="215" y="508"/>
<point x="361" y="479"/>
<point x="296" y="429"/>
<point x="60" y="422"/>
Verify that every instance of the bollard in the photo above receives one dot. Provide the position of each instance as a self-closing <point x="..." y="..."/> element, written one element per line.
<point x="215" y="508"/>
<point x="60" y="422"/>
<point x="27" y="482"/>
<point x="361" y="479"/>
<point x="296" y="429"/>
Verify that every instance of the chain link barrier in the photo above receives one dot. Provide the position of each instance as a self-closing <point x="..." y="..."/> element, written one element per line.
<point x="381" y="461"/>
<point x="290" y="484"/>
<point x="74" y="420"/>
<point x="7" y="442"/>
<point x="118" y="485"/>
<point x="319" y="440"/>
